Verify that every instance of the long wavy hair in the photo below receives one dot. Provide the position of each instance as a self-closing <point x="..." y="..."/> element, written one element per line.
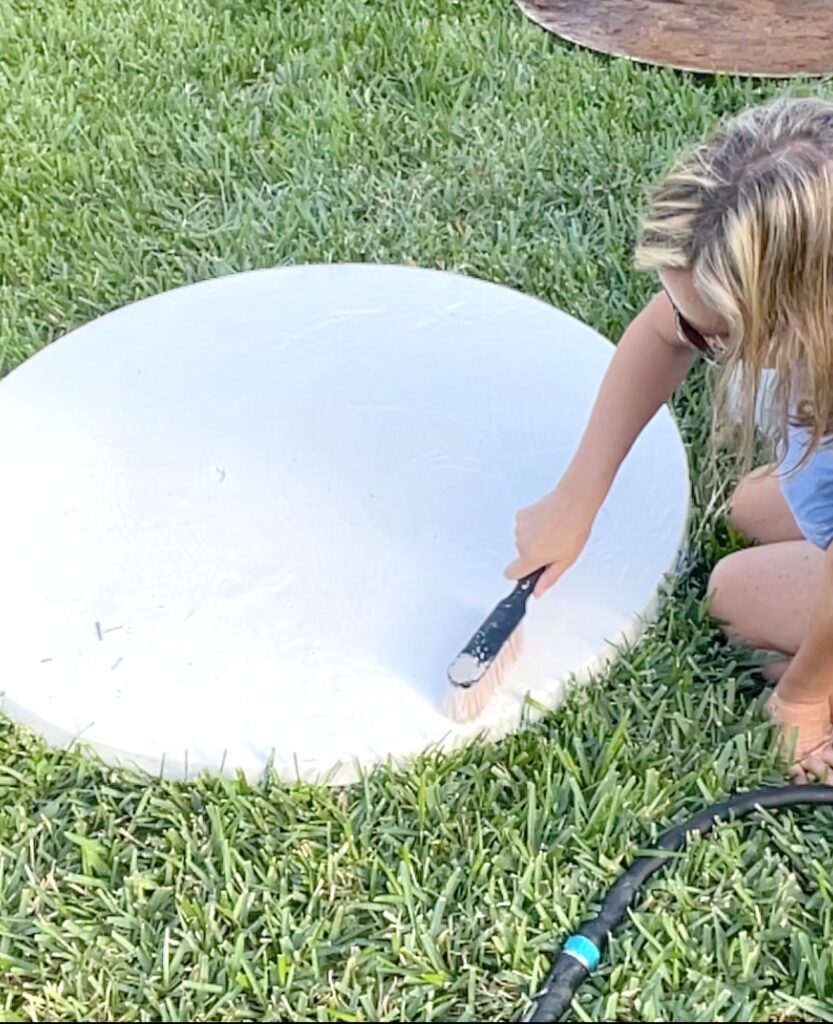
<point x="749" y="213"/>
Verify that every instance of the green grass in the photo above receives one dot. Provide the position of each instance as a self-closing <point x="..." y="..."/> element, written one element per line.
<point x="155" y="142"/>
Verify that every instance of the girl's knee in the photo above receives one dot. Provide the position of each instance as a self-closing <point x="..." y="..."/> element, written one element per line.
<point x="750" y="500"/>
<point x="727" y="583"/>
<point x="759" y="511"/>
<point x="741" y="504"/>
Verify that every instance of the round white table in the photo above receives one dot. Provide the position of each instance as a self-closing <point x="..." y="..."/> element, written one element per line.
<point x="249" y="522"/>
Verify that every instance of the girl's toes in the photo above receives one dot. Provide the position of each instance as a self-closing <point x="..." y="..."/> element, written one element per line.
<point x="817" y="766"/>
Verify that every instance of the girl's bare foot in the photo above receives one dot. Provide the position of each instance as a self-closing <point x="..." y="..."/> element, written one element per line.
<point x="806" y="735"/>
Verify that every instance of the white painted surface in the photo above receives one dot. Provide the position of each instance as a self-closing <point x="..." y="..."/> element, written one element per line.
<point x="286" y="499"/>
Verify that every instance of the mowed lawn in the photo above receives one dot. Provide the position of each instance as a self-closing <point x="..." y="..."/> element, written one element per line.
<point x="150" y="143"/>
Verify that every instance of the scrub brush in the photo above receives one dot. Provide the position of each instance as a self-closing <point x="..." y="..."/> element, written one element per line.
<point x="480" y="668"/>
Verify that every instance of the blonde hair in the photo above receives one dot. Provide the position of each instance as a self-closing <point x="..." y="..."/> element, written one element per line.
<point x="750" y="213"/>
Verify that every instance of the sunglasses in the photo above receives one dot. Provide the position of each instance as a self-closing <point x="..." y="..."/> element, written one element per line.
<point x="687" y="332"/>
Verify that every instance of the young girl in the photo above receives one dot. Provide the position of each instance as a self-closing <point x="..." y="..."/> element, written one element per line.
<point x="740" y="236"/>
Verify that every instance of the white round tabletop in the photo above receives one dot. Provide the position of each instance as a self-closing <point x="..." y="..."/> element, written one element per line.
<point x="250" y="522"/>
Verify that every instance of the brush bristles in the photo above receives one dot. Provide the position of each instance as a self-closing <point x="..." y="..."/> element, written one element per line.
<point x="467" y="702"/>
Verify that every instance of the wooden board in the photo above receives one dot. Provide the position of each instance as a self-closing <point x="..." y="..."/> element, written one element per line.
<point x="768" y="38"/>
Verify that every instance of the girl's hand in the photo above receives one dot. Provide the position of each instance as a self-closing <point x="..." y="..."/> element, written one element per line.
<point x="552" y="532"/>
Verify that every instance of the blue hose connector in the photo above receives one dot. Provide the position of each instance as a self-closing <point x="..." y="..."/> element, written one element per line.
<point x="580" y="948"/>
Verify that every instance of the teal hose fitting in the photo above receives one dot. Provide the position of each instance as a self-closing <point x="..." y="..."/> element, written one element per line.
<point x="584" y="950"/>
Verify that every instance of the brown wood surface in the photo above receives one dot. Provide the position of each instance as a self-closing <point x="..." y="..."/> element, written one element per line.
<point x="751" y="37"/>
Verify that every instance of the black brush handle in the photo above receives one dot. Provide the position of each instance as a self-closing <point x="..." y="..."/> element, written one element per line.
<point x="530" y="582"/>
<point x="476" y="657"/>
<point x="510" y="611"/>
<point x="492" y="635"/>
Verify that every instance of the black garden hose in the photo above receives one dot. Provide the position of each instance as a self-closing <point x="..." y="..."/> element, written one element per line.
<point x="582" y="952"/>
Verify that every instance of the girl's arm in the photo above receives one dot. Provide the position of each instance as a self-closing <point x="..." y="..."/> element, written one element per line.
<point x="649" y="364"/>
